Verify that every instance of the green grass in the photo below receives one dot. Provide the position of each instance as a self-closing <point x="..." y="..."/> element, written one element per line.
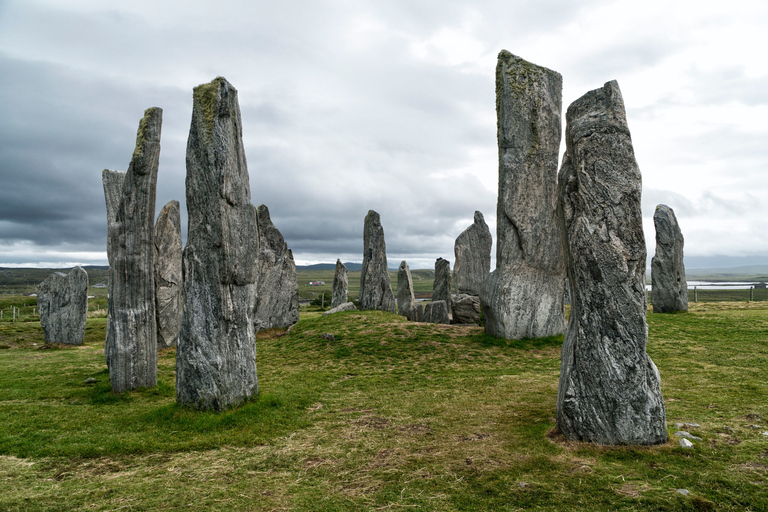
<point x="391" y="415"/>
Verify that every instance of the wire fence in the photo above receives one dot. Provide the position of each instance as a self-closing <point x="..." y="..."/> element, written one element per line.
<point x="721" y="293"/>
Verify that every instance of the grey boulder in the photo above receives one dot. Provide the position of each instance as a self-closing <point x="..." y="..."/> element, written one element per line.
<point x="436" y="312"/>
<point x="466" y="309"/>
<point x="62" y="300"/>
<point x="347" y="306"/>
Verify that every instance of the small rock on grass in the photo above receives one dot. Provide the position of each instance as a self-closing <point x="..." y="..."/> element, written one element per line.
<point x="753" y="417"/>
<point x="328" y="336"/>
<point x="90" y="380"/>
<point x="684" y="443"/>
<point x="684" y="492"/>
<point x="764" y="434"/>
<point x="687" y="435"/>
<point x="754" y="427"/>
<point x="688" y="426"/>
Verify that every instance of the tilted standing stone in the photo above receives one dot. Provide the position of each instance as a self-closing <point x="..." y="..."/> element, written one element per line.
<point x="340" y="285"/>
<point x="62" y="300"/>
<point x="523" y="297"/>
<point x="609" y="390"/>
<point x="216" y="355"/>
<point x="375" y="287"/>
<point x="669" y="290"/>
<point x="406" y="302"/>
<point x="277" y="302"/>
<point x="131" y="347"/>
<point x="113" y="182"/>
<point x="168" y="276"/>
<point x="441" y="286"/>
<point x="473" y="257"/>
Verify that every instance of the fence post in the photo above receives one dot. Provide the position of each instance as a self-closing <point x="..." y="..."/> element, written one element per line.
<point x="751" y="293"/>
<point x="695" y="295"/>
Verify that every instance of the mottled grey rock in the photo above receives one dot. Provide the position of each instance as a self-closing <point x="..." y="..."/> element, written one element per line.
<point x="441" y="286"/>
<point x="436" y="312"/>
<point x="687" y="435"/>
<point x="406" y="302"/>
<point x="684" y="443"/>
<point x="131" y="345"/>
<point x="168" y="276"/>
<point x="669" y="290"/>
<point x="277" y="301"/>
<point x="216" y="355"/>
<point x="691" y="426"/>
<point x="113" y="182"/>
<point x="328" y="336"/>
<point x="523" y="297"/>
<point x="473" y="257"/>
<point x="347" y="306"/>
<point x="609" y="390"/>
<point x="684" y="492"/>
<point x="340" y="285"/>
<point x="375" y="287"/>
<point x="466" y="309"/>
<point x="62" y="300"/>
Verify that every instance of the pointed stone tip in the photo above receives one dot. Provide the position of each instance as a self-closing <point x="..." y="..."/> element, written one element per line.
<point x="479" y="217"/>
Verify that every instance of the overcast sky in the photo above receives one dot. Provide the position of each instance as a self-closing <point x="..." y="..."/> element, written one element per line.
<point x="387" y="105"/>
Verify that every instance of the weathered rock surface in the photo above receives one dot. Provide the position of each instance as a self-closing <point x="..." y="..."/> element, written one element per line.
<point x="473" y="257"/>
<point x="466" y="309"/>
<point x="216" y="354"/>
<point x="441" y="286"/>
<point x="436" y="312"/>
<point x="131" y="345"/>
<point x="375" y="287"/>
<point x="523" y="297"/>
<point x="168" y="276"/>
<point x="113" y="182"/>
<point x="347" y="306"/>
<point x="62" y="300"/>
<point x="669" y="290"/>
<point x="340" y="285"/>
<point x="609" y="390"/>
<point x="406" y="302"/>
<point x="277" y="302"/>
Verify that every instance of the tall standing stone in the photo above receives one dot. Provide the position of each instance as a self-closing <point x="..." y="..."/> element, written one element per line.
<point x="669" y="289"/>
<point x="216" y="355"/>
<point x="131" y="347"/>
<point x="406" y="301"/>
<point x="609" y="390"/>
<point x="523" y="297"/>
<point x="168" y="276"/>
<point x="473" y="257"/>
<point x="113" y="182"/>
<point x="340" y="285"/>
<point x="62" y="300"/>
<point x="277" y="302"/>
<point x="375" y="287"/>
<point x="441" y="286"/>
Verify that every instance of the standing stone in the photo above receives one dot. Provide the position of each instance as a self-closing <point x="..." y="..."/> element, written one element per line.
<point x="131" y="347"/>
<point x="62" y="300"/>
<point x="406" y="302"/>
<point x="375" y="287"/>
<point x="277" y="301"/>
<point x="168" y="277"/>
<point x="113" y="182"/>
<point x="436" y="312"/>
<point x="216" y="355"/>
<point x="473" y="257"/>
<point x="669" y="287"/>
<point x="465" y="308"/>
<point x="441" y="286"/>
<point x="523" y="297"/>
<point x="340" y="285"/>
<point x="609" y="390"/>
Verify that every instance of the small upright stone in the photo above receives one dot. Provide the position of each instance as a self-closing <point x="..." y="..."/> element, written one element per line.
<point x="473" y="257"/>
<point x="441" y="286"/>
<point x="436" y="312"/>
<point x="168" y="277"/>
<point x="406" y="302"/>
<point x="216" y="354"/>
<point x="277" y="302"/>
<point x="62" y="300"/>
<point x="669" y="289"/>
<point x="609" y="390"/>
<point x="340" y="285"/>
<point x="375" y="287"/>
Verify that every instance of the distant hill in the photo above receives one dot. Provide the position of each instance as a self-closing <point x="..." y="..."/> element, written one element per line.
<point x="742" y="273"/>
<point x="353" y="267"/>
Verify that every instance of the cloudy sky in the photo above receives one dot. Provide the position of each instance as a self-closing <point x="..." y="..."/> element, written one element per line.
<point x="355" y="105"/>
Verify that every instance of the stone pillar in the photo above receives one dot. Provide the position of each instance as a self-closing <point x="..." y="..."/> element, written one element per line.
<point x="406" y="302"/>
<point x="113" y="182"/>
<point x="473" y="257"/>
<point x="168" y="276"/>
<point x="441" y="286"/>
<point x="63" y="302"/>
<point x="340" y="285"/>
<point x="669" y="289"/>
<point x="375" y="287"/>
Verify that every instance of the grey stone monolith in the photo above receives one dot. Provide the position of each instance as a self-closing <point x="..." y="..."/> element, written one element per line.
<point x="436" y="312"/>
<point x="441" y="286"/>
<point x="168" y="276"/>
<point x="609" y="390"/>
<point x="113" y="182"/>
<point x="669" y="289"/>
<point x="473" y="257"/>
<point x="375" y="287"/>
<point x="62" y="301"/>
<point x="466" y="309"/>
<point x="277" y="302"/>
<point x="340" y="285"/>
<point x="523" y="296"/>
<point x="131" y="345"/>
<point x="406" y="302"/>
<point x="216" y="354"/>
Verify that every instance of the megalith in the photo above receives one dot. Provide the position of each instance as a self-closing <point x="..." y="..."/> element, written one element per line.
<point x="669" y="289"/>
<point x="375" y="287"/>
<point x="406" y="302"/>
<point x="473" y="257"/>
<point x="277" y="298"/>
<point x="436" y="312"/>
<point x="113" y="182"/>
<point x="441" y="286"/>
<point x="168" y="277"/>
<point x="465" y="309"/>
<point x="523" y="297"/>
<point x="131" y="345"/>
<point x="62" y="300"/>
<point x="340" y="285"/>
<point x="609" y="391"/>
<point x="216" y="354"/>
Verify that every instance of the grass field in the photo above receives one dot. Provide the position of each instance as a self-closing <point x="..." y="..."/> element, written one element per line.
<point x="392" y="415"/>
